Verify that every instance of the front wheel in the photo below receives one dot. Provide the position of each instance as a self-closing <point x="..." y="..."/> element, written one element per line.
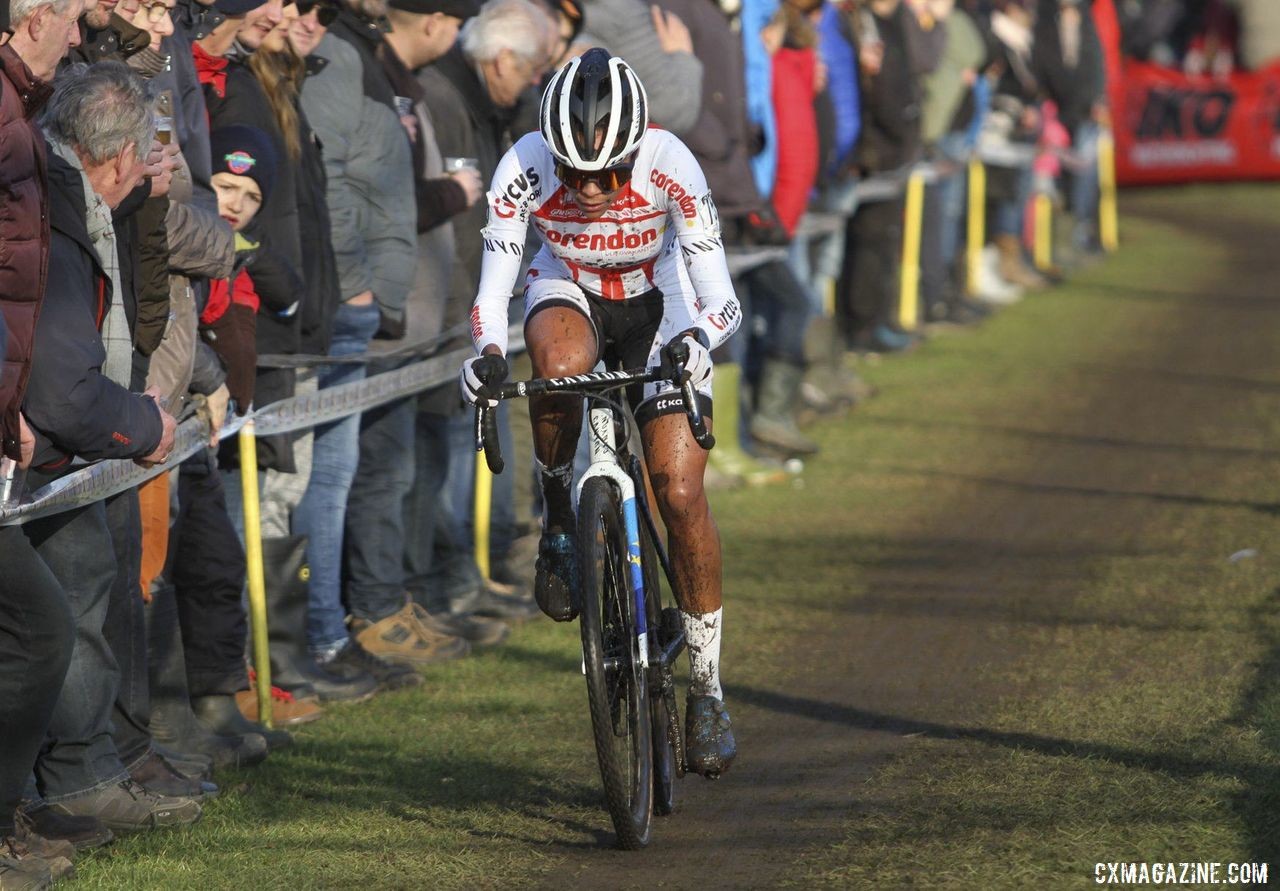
<point x="616" y="687"/>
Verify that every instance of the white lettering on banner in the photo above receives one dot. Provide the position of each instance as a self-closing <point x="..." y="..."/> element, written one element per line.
<point x="1177" y="154"/>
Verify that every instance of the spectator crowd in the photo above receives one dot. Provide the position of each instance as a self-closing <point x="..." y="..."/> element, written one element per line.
<point x="210" y="206"/>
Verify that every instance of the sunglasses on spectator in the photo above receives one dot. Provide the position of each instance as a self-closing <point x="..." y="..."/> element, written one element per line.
<point x="326" y="14"/>
<point x="609" y="179"/>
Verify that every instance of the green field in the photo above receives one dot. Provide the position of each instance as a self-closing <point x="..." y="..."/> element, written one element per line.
<point x="1023" y="546"/>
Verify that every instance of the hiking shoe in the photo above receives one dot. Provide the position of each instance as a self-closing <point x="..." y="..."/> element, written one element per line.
<point x="479" y="631"/>
<point x="336" y="681"/>
<point x="37" y="818"/>
<point x="402" y="640"/>
<point x="387" y="675"/>
<point x="22" y="870"/>
<point x="287" y="708"/>
<point x="159" y="776"/>
<point x="708" y="733"/>
<point x="555" y="583"/>
<point x="495" y="600"/>
<point x="129" y="807"/>
<point x="50" y="850"/>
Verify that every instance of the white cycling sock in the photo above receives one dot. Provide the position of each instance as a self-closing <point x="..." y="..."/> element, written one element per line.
<point x="702" y="636"/>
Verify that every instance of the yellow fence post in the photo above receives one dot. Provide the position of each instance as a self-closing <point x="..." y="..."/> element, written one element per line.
<point x="909" y="298"/>
<point x="1108" y="210"/>
<point x="1044" y="231"/>
<point x="977" y="229"/>
<point x="484" y="500"/>
<point x="253" y="566"/>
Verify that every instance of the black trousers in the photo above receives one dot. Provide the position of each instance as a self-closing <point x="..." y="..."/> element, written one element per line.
<point x="126" y="632"/>
<point x="206" y="566"/>
<point x="37" y="632"/>
<point x="868" y="290"/>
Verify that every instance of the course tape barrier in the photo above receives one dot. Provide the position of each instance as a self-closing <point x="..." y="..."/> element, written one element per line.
<point x="106" y="478"/>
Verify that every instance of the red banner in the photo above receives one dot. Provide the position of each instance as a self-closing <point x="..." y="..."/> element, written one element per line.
<point x="1171" y="128"/>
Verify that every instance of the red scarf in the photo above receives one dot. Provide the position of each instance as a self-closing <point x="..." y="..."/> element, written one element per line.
<point x="210" y="70"/>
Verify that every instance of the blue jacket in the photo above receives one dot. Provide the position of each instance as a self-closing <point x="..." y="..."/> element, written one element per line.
<point x="759" y="71"/>
<point x="842" y="81"/>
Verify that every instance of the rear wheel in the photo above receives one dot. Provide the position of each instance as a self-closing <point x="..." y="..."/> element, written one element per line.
<point x="616" y="687"/>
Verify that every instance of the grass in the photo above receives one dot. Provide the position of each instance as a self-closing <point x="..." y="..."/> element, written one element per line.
<point x="1130" y="709"/>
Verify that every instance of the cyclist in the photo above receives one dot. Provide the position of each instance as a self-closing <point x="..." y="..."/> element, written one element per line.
<point x="631" y="264"/>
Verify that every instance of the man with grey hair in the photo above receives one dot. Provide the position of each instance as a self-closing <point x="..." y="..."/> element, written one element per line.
<point x="472" y="94"/>
<point x="98" y="124"/>
<point x="43" y="31"/>
<point x="35" y="622"/>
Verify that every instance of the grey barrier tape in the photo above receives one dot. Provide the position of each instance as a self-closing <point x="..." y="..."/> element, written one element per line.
<point x="106" y="478"/>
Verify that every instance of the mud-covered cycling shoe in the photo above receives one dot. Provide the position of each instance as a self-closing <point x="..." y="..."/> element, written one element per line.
<point x="708" y="735"/>
<point x="555" y="583"/>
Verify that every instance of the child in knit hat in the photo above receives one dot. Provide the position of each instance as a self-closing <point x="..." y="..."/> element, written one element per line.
<point x="244" y="169"/>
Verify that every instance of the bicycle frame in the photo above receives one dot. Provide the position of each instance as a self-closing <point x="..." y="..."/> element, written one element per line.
<point x="605" y="463"/>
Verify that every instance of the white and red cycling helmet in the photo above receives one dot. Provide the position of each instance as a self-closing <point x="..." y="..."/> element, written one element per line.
<point x="591" y="93"/>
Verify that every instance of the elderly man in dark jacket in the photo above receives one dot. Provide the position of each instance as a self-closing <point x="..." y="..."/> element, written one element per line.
<point x="472" y="93"/>
<point x="80" y="407"/>
<point x="36" y="629"/>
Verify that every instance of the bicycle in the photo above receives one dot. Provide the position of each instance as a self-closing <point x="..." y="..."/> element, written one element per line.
<point x="629" y="640"/>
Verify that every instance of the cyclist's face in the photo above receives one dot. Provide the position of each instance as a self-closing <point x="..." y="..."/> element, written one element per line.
<point x="592" y="200"/>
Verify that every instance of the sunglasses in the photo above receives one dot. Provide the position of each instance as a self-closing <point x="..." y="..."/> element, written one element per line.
<point x="609" y="179"/>
<point x="327" y="11"/>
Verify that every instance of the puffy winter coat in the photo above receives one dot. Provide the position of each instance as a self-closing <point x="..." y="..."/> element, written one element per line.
<point x="793" y="96"/>
<point x="24" y="231"/>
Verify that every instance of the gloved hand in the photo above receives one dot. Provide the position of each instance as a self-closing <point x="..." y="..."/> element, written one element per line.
<point x="478" y="375"/>
<point x="696" y="357"/>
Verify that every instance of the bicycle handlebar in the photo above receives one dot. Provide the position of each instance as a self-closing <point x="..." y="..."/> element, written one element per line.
<point x="487" y="422"/>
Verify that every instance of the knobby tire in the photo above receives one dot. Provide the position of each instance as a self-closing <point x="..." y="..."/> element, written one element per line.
<point x="618" y="699"/>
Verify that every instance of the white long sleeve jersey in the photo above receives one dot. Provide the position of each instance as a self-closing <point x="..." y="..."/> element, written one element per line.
<point x="661" y="232"/>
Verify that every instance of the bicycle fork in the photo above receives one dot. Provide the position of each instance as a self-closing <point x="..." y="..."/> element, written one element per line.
<point x="604" y="462"/>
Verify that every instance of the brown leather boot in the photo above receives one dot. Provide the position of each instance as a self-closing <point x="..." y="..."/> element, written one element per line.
<point x="1013" y="268"/>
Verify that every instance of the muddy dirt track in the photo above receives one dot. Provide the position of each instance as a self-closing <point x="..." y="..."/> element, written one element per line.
<point x="910" y="656"/>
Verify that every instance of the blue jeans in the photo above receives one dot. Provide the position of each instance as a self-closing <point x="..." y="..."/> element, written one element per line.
<point x="375" y="533"/>
<point x="458" y="546"/>
<point x="1009" y="214"/>
<point x="322" y="511"/>
<point x="780" y="305"/>
<point x="952" y="191"/>
<point x="82" y="759"/>
<point x="1084" y="186"/>
<point x="816" y="260"/>
<point x="423" y="507"/>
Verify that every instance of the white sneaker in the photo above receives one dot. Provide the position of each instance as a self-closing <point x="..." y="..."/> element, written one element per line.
<point x="991" y="287"/>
